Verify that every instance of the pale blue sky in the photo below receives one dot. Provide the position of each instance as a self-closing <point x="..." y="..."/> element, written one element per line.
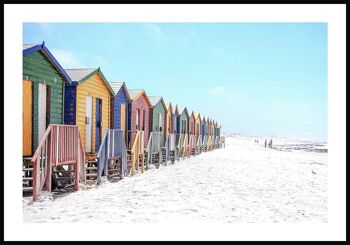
<point x="261" y="79"/>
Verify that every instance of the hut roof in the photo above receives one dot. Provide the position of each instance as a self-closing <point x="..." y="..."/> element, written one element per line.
<point x="135" y="93"/>
<point x="168" y="104"/>
<point x="157" y="99"/>
<point x="182" y="109"/>
<point x="27" y="46"/>
<point x="81" y="75"/>
<point x="116" y="86"/>
<point x="31" y="48"/>
<point x="194" y="114"/>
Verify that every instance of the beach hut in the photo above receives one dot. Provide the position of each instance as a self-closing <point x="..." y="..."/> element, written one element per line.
<point x="203" y="125"/>
<point x="211" y="134"/>
<point x="169" y="119"/>
<point x="159" y="115"/>
<point x="87" y="104"/>
<point x="182" y="124"/>
<point x="204" y="132"/>
<point x="46" y="141"/>
<point x="140" y="118"/>
<point x="198" y="133"/>
<point x="192" y="133"/>
<point x="183" y="119"/>
<point x="175" y="124"/>
<point x="120" y="107"/>
<point x="156" y="152"/>
<point x="170" y="137"/>
<point x="43" y="86"/>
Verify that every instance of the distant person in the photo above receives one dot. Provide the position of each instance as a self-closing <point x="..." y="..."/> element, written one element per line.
<point x="270" y="143"/>
<point x="265" y="143"/>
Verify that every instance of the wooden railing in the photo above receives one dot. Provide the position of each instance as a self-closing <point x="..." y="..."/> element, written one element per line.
<point x="137" y="150"/>
<point x="216" y="142"/>
<point x="186" y="147"/>
<point x="171" y="142"/>
<point x="199" y="144"/>
<point x="60" y="145"/>
<point x="113" y="145"/>
<point x="205" y="140"/>
<point x="153" y="146"/>
<point x="210" y="142"/>
<point x="192" y="143"/>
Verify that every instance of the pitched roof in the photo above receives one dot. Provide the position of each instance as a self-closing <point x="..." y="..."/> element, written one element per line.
<point x="157" y="99"/>
<point x="80" y="73"/>
<point x="182" y="109"/>
<point x="134" y="93"/>
<point x="154" y="100"/>
<point x="194" y="114"/>
<point x="167" y="104"/>
<point x="116" y="86"/>
<point x="27" y="46"/>
<point x="32" y="48"/>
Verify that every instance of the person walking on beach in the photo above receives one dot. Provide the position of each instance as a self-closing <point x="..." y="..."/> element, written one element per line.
<point x="270" y="143"/>
<point x="265" y="143"/>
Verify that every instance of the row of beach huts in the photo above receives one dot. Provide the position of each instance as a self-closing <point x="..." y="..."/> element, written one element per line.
<point x="79" y="128"/>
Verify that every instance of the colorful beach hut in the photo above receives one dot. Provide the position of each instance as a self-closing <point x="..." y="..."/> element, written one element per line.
<point x="182" y="122"/>
<point x="183" y="119"/>
<point x="159" y="114"/>
<point x="192" y="133"/>
<point x="198" y="133"/>
<point x="169" y="119"/>
<point x="203" y="126"/>
<point x="43" y="84"/>
<point x="171" y="136"/>
<point x="140" y="118"/>
<point x="120" y="107"/>
<point x="176" y="124"/>
<point x="87" y="104"/>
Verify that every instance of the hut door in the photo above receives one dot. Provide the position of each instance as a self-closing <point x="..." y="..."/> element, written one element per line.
<point x="88" y="124"/>
<point x="160" y="123"/>
<point x="42" y="102"/>
<point x="98" y="123"/>
<point x="143" y="120"/>
<point x="27" y="117"/>
<point x="123" y="119"/>
<point x="137" y="122"/>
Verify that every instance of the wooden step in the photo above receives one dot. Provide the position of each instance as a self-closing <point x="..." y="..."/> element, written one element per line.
<point x="27" y="178"/>
<point x="27" y="169"/>
<point x="64" y="177"/>
<point x="90" y="180"/>
<point x="63" y="171"/>
<point x="30" y="188"/>
<point x="93" y="174"/>
<point x="113" y="175"/>
<point x="91" y="168"/>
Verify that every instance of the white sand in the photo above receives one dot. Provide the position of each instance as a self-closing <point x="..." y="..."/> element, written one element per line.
<point x="241" y="183"/>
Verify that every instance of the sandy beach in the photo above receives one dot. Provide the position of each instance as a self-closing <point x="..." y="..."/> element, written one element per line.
<point x="241" y="183"/>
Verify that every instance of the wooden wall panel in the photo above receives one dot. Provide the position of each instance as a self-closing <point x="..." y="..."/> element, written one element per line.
<point x="38" y="68"/>
<point x="27" y="118"/>
<point x="96" y="88"/>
